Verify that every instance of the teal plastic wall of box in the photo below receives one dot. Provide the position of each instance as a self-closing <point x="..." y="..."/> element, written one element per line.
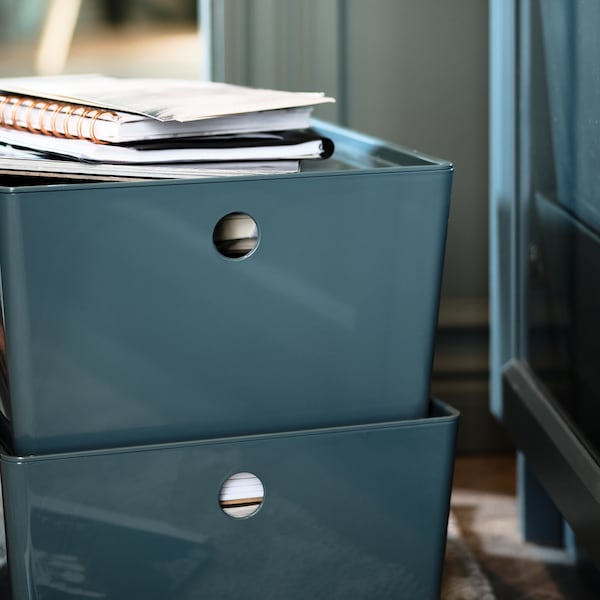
<point x="349" y="512"/>
<point x="125" y="326"/>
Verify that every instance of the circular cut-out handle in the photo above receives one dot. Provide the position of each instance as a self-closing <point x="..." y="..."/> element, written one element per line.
<point x="236" y="235"/>
<point x="241" y="495"/>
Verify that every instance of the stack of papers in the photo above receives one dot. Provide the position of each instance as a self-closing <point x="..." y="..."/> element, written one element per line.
<point x="99" y="127"/>
<point x="14" y="161"/>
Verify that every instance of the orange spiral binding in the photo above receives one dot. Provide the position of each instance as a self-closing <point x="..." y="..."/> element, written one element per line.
<point x="74" y="117"/>
<point x="40" y="126"/>
<point x="28" y="122"/>
<point x="78" y="128"/>
<point x="81" y="121"/>
<point x="54" y="121"/>
<point x="16" y="105"/>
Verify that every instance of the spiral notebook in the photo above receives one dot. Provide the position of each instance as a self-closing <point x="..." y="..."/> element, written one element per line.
<point x="115" y="110"/>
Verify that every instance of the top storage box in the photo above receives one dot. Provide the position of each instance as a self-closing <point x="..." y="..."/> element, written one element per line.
<point x="125" y="324"/>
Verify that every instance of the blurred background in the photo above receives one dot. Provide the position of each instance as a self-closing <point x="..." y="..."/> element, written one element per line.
<point x="138" y="38"/>
<point x="414" y="72"/>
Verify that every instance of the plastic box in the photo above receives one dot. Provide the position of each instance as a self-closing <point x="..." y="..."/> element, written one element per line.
<point x="125" y="325"/>
<point x="348" y="512"/>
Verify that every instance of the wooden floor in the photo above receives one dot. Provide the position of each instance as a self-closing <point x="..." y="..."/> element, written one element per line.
<point x="484" y="509"/>
<point x="495" y="474"/>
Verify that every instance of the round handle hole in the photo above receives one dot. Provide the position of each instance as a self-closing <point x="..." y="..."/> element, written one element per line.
<point x="236" y="235"/>
<point x="241" y="495"/>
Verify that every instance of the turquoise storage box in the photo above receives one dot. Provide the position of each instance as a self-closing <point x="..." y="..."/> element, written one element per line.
<point x="347" y="512"/>
<point x="125" y="325"/>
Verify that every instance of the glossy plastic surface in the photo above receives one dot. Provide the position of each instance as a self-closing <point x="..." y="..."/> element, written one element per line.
<point x="350" y="512"/>
<point x="124" y="325"/>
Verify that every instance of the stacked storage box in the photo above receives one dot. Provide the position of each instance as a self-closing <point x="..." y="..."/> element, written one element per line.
<point x="164" y="337"/>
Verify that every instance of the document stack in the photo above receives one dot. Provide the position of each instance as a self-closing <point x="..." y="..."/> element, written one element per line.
<point x="99" y="127"/>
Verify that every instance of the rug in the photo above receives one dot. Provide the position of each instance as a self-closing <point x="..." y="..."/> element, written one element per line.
<point x="488" y="526"/>
<point x="463" y="577"/>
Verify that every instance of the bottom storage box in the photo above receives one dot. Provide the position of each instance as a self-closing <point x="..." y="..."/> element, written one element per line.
<point x="354" y="512"/>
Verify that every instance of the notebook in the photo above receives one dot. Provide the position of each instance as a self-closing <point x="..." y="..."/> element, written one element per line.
<point x="108" y="109"/>
<point x="292" y="145"/>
